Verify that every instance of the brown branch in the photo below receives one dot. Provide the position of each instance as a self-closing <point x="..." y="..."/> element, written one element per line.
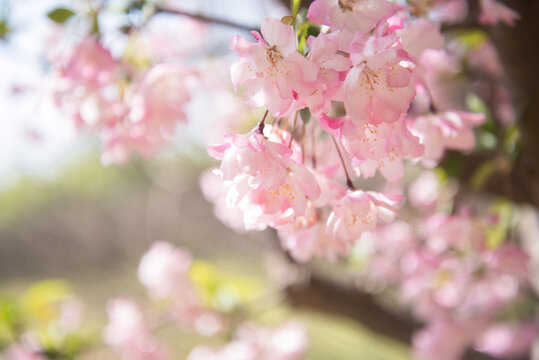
<point x="327" y="296"/>
<point x="208" y="19"/>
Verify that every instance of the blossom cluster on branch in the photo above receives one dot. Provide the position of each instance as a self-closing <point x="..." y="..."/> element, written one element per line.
<point x="356" y="99"/>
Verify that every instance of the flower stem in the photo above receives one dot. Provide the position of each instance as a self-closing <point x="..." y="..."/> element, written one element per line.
<point x="349" y="182"/>
<point x="262" y="123"/>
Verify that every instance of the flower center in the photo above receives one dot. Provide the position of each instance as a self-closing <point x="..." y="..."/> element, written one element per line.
<point x="347" y="5"/>
<point x="370" y="78"/>
<point x="273" y="55"/>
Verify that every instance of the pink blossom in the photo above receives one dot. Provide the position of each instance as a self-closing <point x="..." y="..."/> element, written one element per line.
<point x="263" y="180"/>
<point x="128" y="331"/>
<point x="83" y="84"/>
<point x="158" y="100"/>
<point x="382" y="146"/>
<point x="352" y="15"/>
<point x="385" y="247"/>
<point x="423" y="193"/>
<point x="440" y="71"/>
<point x="445" y="340"/>
<point x="449" y="130"/>
<point x="163" y="270"/>
<point x="157" y="104"/>
<point x="507" y="340"/>
<point x="357" y="212"/>
<point x="215" y="191"/>
<point x="379" y="88"/>
<point x="153" y="107"/>
<point x="333" y="69"/>
<point x="272" y="72"/>
<point x="456" y="274"/>
<point x="88" y="64"/>
<point x="287" y="342"/>
<point x="18" y="351"/>
<point x="420" y="35"/>
<point x="306" y="237"/>
<point x="493" y="11"/>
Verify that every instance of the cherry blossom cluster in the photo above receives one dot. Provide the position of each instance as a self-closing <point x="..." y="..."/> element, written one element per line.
<point x="452" y="279"/>
<point x="458" y="273"/>
<point x="133" y="109"/>
<point x="177" y="301"/>
<point x="379" y="86"/>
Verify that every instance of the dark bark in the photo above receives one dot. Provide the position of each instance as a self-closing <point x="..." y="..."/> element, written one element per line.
<point x="519" y="51"/>
<point x="328" y="296"/>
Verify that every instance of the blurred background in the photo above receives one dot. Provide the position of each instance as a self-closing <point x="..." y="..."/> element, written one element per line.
<point x="72" y="228"/>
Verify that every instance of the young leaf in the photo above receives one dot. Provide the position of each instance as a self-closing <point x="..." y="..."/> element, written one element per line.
<point x="60" y="15"/>
<point x="288" y="20"/>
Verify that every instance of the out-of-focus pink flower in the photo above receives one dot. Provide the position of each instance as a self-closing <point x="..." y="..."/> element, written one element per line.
<point x="507" y="340"/>
<point x="445" y="340"/>
<point x="287" y="342"/>
<point x="272" y="72"/>
<point x="387" y="246"/>
<point x="158" y="101"/>
<point x="128" y="331"/>
<point x="420" y="35"/>
<point x="18" y="351"/>
<point x="439" y="71"/>
<point x="163" y="270"/>
<point x="449" y="130"/>
<point x="379" y="88"/>
<point x="423" y="193"/>
<point x="153" y="107"/>
<point x="493" y="11"/>
<point x="88" y="64"/>
<point x="352" y="15"/>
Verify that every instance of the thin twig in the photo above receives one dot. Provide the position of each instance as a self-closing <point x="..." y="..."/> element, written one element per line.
<point x="349" y="182"/>
<point x="262" y="123"/>
<point x="208" y="19"/>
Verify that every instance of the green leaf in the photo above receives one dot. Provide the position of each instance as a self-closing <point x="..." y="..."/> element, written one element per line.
<point x="4" y="28"/>
<point x="294" y="7"/>
<point x="482" y="174"/>
<point x="497" y="232"/>
<point x="472" y="39"/>
<point x="60" y="15"/>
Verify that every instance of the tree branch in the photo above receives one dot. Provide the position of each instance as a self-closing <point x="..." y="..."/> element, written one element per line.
<point x="327" y="296"/>
<point x="207" y="19"/>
